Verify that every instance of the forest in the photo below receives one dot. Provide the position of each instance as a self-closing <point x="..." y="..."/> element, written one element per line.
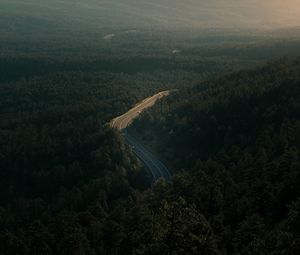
<point x="234" y="143"/>
<point x="230" y="133"/>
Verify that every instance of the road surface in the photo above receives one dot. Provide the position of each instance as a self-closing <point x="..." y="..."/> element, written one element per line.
<point x="126" y="119"/>
<point x="152" y="162"/>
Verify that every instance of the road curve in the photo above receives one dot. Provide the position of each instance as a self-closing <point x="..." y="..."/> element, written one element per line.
<point x="152" y="162"/>
<point x="126" y="119"/>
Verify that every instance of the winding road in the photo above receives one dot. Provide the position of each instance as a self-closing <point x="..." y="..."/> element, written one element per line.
<point x="157" y="168"/>
<point x="126" y="119"/>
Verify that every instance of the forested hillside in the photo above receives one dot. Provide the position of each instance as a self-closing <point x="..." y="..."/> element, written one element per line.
<point x="229" y="131"/>
<point x="69" y="185"/>
<point x="59" y="161"/>
<point x="234" y="143"/>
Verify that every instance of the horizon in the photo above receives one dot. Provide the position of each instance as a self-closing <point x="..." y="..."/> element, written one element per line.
<point x="167" y="14"/>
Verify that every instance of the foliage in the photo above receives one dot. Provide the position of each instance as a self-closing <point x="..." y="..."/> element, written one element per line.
<point x="69" y="185"/>
<point x="237" y="139"/>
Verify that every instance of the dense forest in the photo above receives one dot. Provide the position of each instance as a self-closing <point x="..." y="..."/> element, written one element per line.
<point x="230" y="133"/>
<point x="234" y="143"/>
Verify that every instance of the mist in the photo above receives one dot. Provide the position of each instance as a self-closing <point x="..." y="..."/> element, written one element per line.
<point x="93" y="15"/>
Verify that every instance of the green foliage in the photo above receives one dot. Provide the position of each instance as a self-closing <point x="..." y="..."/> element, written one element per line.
<point x="238" y="140"/>
<point x="69" y="185"/>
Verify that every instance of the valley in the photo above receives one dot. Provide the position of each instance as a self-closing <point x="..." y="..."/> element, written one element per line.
<point x="149" y="127"/>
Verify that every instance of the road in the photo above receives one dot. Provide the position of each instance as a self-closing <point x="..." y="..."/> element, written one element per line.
<point x="151" y="161"/>
<point x="126" y="119"/>
<point x="157" y="168"/>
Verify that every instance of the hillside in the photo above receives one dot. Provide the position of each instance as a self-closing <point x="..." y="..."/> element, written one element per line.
<point x="226" y="139"/>
<point x="69" y="184"/>
<point x="235" y="144"/>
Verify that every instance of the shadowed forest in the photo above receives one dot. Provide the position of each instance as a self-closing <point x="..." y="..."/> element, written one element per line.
<point x="230" y="133"/>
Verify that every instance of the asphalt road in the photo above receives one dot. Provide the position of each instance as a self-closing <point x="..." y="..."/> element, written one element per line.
<point x="126" y="119"/>
<point x="157" y="168"/>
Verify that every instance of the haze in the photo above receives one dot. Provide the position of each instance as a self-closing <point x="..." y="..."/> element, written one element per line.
<point x="19" y="15"/>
